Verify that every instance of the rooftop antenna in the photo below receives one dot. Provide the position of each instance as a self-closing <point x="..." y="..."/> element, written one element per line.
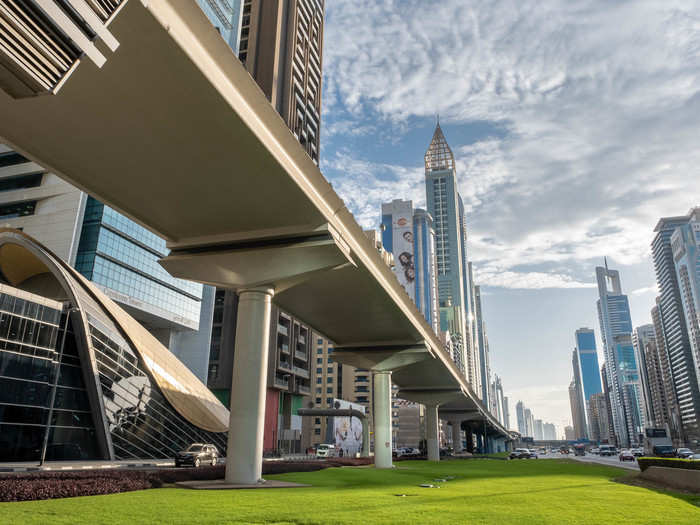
<point x="438" y="119"/>
<point x="606" y="263"/>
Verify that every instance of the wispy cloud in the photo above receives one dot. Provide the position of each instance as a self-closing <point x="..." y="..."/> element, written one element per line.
<point x="598" y="104"/>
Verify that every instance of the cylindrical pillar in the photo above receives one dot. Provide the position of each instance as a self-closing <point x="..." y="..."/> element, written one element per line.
<point x="382" y="420"/>
<point x="457" y="436"/>
<point x="248" y="387"/>
<point x="365" y="438"/>
<point x="432" y="432"/>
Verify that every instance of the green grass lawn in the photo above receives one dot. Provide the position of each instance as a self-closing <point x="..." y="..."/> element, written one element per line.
<point x="483" y="491"/>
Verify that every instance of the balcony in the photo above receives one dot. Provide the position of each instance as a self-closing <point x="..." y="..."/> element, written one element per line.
<point x="301" y="355"/>
<point x="304" y="389"/>
<point x="301" y="372"/>
<point x="284" y="348"/>
<point x="282" y="329"/>
<point x="285" y="365"/>
<point x="281" y="382"/>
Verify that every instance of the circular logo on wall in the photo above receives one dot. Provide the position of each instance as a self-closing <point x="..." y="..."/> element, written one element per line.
<point x="402" y="222"/>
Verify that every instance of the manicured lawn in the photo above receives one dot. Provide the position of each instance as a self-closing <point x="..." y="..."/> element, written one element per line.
<point x="483" y="491"/>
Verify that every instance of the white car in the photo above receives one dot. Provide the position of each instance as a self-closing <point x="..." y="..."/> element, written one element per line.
<point x="325" y="451"/>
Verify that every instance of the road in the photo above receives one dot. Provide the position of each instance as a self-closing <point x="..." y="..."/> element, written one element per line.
<point x="611" y="461"/>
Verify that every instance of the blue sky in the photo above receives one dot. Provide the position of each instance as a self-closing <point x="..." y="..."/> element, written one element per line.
<point x="575" y="127"/>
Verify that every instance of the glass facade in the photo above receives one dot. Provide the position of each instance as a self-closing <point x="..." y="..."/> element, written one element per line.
<point x="142" y="423"/>
<point x="588" y="357"/>
<point x="44" y="408"/>
<point x="120" y="255"/>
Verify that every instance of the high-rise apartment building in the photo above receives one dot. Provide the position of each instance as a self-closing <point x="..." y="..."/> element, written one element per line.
<point x="626" y="393"/>
<point x="281" y="45"/>
<point x="685" y="244"/>
<point x="506" y="413"/>
<point x="607" y="392"/>
<point x="674" y="329"/>
<point x="598" y="423"/>
<point x="483" y="348"/>
<point x="226" y="16"/>
<point x="569" y="433"/>
<point x="529" y="423"/>
<point x="520" y="416"/>
<point x="538" y="430"/>
<point x="663" y="405"/>
<point x="578" y="416"/>
<point x="641" y="337"/>
<point x="498" y="405"/>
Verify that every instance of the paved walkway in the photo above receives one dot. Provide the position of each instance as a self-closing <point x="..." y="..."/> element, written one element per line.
<point x="83" y="465"/>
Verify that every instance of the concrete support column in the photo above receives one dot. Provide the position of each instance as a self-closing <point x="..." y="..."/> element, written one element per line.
<point x="248" y="388"/>
<point x="432" y="433"/>
<point x="457" y="436"/>
<point x="382" y="420"/>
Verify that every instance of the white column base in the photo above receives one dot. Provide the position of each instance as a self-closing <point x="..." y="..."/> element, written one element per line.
<point x="248" y="388"/>
<point x="382" y="420"/>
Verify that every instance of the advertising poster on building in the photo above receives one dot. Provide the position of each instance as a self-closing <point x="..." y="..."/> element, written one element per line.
<point x="403" y="250"/>
<point x="347" y="431"/>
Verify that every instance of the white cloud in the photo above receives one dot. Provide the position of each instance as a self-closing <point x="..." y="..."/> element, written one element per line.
<point x="599" y="104"/>
<point x="647" y="289"/>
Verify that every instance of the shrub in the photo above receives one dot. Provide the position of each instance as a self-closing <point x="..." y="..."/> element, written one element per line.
<point x="645" y="463"/>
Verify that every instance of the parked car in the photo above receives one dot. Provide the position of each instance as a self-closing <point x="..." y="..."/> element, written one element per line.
<point x="519" y="453"/>
<point x="197" y="454"/>
<point x="325" y="450"/>
<point x="626" y="455"/>
<point x="664" y="451"/>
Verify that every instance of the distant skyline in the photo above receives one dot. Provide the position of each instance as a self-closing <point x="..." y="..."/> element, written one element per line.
<point x="572" y="136"/>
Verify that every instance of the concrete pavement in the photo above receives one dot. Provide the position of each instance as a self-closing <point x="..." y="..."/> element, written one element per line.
<point x="610" y="461"/>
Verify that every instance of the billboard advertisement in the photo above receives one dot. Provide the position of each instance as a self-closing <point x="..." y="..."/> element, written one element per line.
<point x="347" y="431"/>
<point x="402" y="240"/>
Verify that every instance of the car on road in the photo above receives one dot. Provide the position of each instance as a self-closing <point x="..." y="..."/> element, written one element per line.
<point x="694" y="457"/>
<point x="664" y="451"/>
<point x="595" y="450"/>
<point x="637" y="452"/>
<point x="197" y="454"/>
<point x="626" y="455"/>
<point x="684" y="453"/>
<point x="519" y="453"/>
<point x="533" y="453"/>
<point x="608" y="450"/>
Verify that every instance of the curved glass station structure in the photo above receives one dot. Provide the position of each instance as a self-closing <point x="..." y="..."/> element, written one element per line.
<point x="80" y="379"/>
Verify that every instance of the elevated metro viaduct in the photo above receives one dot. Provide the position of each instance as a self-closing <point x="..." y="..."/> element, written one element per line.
<point x="147" y="108"/>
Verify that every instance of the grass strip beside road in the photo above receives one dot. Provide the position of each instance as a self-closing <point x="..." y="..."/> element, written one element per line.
<point x="482" y="491"/>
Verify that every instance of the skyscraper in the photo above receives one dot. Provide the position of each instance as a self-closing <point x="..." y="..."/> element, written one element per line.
<point x="538" y="430"/>
<point x="674" y="329"/>
<point x="483" y="347"/>
<point x="586" y="376"/>
<point x="409" y="235"/>
<point x="685" y="244"/>
<point x="443" y="199"/>
<point x="506" y="413"/>
<point x="641" y="338"/>
<point x="520" y="416"/>
<point x="598" y="422"/>
<point x="281" y="45"/>
<point x="626" y="395"/>
<point x="578" y="415"/>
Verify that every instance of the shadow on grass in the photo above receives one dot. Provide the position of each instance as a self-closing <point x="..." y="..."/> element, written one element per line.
<point x="414" y="473"/>
<point x="634" y="480"/>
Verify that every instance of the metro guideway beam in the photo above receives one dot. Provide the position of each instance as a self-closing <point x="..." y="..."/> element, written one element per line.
<point x="158" y="97"/>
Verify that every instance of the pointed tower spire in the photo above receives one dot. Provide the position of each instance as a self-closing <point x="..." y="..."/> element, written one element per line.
<point x="439" y="155"/>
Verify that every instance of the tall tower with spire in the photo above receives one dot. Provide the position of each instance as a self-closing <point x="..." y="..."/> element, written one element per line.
<point x="445" y="205"/>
